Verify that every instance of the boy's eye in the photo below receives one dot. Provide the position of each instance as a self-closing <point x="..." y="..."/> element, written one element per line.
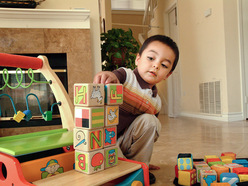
<point x="150" y="58"/>
<point x="164" y="66"/>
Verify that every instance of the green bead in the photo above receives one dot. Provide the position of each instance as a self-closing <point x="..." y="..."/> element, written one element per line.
<point x="48" y="115"/>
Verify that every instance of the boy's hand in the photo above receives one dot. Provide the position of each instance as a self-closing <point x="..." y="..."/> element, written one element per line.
<point x="105" y="77"/>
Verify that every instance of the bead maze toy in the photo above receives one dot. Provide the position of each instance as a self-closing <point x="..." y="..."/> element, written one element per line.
<point x="28" y="159"/>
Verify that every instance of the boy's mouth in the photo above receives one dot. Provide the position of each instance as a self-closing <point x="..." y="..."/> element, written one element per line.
<point x="153" y="73"/>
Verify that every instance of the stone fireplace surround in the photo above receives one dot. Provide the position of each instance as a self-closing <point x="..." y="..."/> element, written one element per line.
<point x="49" y="31"/>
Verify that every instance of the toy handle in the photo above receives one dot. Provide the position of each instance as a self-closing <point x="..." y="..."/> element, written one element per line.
<point x="14" y="174"/>
<point x="10" y="60"/>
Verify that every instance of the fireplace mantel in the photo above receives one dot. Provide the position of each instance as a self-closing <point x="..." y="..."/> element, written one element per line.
<point x="44" y="18"/>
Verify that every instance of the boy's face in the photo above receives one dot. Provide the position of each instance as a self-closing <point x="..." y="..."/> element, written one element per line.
<point x="155" y="63"/>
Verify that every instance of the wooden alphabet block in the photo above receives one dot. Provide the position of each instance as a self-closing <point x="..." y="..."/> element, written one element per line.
<point x="226" y="159"/>
<point x="187" y="177"/>
<point x="209" y="156"/>
<point x="243" y="162"/>
<point x="111" y="115"/>
<point x="208" y="177"/>
<point x="89" y="162"/>
<point x="243" y="177"/>
<point x="87" y="140"/>
<point x="240" y="170"/>
<point x="110" y="136"/>
<point x="198" y="168"/>
<point x="185" y="161"/>
<point x="232" y="154"/>
<point x="89" y="117"/>
<point x="113" y="94"/>
<point x="220" y="184"/>
<point x="233" y="165"/>
<point x="111" y="156"/>
<point x="215" y="163"/>
<point x="213" y="160"/>
<point x="88" y="94"/>
<point x="230" y="178"/>
<point x="219" y="170"/>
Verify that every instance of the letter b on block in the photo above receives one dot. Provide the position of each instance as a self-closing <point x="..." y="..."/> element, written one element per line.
<point x="89" y="162"/>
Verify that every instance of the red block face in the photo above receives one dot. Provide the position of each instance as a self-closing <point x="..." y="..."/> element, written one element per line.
<point x="110" y="136"/>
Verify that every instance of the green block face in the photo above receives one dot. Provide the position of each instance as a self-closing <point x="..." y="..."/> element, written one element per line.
<point x="81" y="162"/>
<point x="111" y="156"/>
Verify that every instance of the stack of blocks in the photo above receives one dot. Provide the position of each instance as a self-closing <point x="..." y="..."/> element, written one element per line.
<point x="186" y="173"/>
<point x="96" y="120"/>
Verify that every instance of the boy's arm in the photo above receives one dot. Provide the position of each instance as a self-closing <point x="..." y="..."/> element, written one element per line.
<point x="105" y="77"/>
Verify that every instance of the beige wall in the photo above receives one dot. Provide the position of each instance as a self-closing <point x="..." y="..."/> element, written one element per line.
<point x="209" y="51"/>
<point x="91" y="5"/>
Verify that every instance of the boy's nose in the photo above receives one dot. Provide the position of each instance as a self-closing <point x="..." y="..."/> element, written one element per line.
<point x="156" y="65"/>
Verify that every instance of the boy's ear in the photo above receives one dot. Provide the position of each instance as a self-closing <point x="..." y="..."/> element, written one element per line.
<point x="137" y="59"/>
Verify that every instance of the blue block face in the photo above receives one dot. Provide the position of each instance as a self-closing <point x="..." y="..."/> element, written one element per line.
<point x="231" y="178"/>
<point x="243" y="162"/>
<point x="185" y="162"/>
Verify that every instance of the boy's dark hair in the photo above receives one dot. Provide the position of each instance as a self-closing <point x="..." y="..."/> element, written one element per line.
<point x="167" y="41"/>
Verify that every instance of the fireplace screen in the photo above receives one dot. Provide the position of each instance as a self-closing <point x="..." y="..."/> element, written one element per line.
<point x="38" y="98"/>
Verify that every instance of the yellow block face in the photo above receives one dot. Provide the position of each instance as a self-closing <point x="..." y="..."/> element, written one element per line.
<point x="183" y="178"/>
<point x="243" y="177"/>
<point x="209" y="156"/>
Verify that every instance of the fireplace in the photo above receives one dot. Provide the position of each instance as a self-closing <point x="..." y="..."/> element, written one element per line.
<point x="35" y="32"/>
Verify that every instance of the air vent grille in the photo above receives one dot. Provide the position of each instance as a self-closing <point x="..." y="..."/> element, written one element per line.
<point x="210" y="97"/>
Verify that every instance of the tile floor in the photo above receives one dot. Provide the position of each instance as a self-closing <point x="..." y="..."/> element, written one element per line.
<point x="198" y="137"/>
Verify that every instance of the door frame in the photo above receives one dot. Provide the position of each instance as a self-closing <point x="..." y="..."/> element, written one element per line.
<point x="173" y="82"/>
<point x="243" y="59"/>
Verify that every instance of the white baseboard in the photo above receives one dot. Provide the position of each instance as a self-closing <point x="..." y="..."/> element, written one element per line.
<point x="224" y="117"/>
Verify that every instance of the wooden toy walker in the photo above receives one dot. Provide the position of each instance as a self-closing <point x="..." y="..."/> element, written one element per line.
<point x="57" y="169"/>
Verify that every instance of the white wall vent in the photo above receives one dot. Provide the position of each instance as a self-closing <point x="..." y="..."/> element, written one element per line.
<point x="210" y="97"/>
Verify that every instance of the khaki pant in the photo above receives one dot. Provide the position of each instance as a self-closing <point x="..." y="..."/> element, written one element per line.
<point x="137" y="141"/>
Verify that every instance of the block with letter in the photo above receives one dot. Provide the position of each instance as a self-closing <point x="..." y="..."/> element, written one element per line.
<point x="88" y="94"/>
<point x="111" y="115"/>
<point x="233" y="165"/>
<point x="185" y="161"/>
<point x="111" y="156"/>
<point x="230" y="178"/>
<point x="208" y="177"/>
<point x="240" y="170"/>
<point x="89" y="162"/>
<point x="226" y="159"/>
<point x="187" y="177"/>
<point x="113" y="94"/>
<point x="198" y="168"/>
<point x="243" y="162"/>
<point x="231" y="154"/>
<point x="243" y="177"/>
<point x="220" y="184"/>
<point x="110" y="136"/>
<point x="87" y="140"/>
<point x="89" y="117"/>
<point x="219" y="170"/>
<point x="209" y="157"/>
